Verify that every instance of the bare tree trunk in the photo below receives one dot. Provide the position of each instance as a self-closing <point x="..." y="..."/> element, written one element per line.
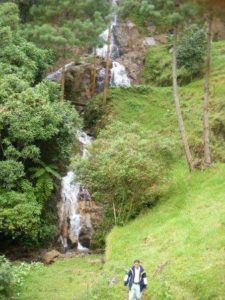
<point x="93" y="88"/>
<point x="177" y="105"/>
<point x="207" y="158"/>
<point x="63" y="77"/>
<point x="106" y="80"/>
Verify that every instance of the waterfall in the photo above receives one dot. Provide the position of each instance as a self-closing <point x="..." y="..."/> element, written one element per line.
<point x="118" y="73"/>
<point x="70" y="220"/>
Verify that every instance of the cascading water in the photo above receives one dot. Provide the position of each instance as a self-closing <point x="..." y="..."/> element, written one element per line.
<point x="118" y="73"/>
<point x="70" y="220"/>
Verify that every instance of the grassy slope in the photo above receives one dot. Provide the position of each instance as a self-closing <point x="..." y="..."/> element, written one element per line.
<point x="184" y="231"/>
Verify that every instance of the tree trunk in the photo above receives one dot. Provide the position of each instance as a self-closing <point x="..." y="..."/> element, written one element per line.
<point x="93" y="88"/>
<point x="177" y="105"/>
<point x="114" y="213"/>
<point x="207" y="159"/>
<point x="63" y="77"/>
<point x="106" y="80"/>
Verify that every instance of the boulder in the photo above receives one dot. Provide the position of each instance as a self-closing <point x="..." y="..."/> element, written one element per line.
<point x="50" y="257"/>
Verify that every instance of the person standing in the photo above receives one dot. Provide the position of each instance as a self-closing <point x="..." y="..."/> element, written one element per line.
<point x="136" y="280"/>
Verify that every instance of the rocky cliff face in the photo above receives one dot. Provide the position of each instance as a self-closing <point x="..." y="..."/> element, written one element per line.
<point x="90" y="215"/>
<point x="79" y="77"/>
<point x="132" y="49"/>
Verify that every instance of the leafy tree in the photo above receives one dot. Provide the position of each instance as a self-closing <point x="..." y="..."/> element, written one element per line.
<point x="36" y="132"/>
<point x="9" y="15"/>
<point x="191" y="49"/>
<point x="125" y="169"/>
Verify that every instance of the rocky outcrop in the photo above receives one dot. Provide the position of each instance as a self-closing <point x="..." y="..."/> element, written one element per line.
<point x="132" y="48"/>
<point x="90" y="215"/>
<point x="78" y="80"/>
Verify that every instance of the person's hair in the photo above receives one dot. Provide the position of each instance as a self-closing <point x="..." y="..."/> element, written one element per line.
<point x="136" y="261"/>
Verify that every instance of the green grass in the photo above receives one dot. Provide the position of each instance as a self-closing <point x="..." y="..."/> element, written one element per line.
<point x="185" y="231"/>
<point x="67" y="279"/>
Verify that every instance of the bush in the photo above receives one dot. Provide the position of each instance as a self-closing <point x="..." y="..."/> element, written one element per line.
<point x="192" y="49"/>
<point x="125" y="170"/>
<point x="12" y="276"/>
<point x="6" y="278"/>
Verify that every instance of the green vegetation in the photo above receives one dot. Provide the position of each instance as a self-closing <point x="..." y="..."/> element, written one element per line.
<point x="190" y="58"/>
<point x="36" y="136"/>
<point x="180" y="241"/>
<point x="136" y="162"/>
<point x="12" y="276"/>
<point x="70" y="278"/>
<point x="125" y="159"/>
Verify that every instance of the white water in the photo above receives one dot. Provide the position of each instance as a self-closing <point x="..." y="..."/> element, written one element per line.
<point x="119" y="76"/>
<point x="69" y="196"/>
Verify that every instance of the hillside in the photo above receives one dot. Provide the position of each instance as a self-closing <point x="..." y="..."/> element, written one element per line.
<point x="181" y="239"/>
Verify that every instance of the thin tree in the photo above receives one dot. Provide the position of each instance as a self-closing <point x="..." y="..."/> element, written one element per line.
<point x="94" y="73"/>
<point x="177" y="104"/>
<point x="172" y="15"/>
<point x="209" y="9"/>
<point x="107" y="69"/>
<point x="207" y="158"/>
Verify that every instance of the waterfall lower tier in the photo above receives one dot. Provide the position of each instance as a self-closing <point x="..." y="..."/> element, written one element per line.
<point x="75" y="208"/>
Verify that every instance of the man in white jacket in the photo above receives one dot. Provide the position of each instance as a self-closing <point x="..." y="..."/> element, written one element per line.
<point x="136" y="280"/>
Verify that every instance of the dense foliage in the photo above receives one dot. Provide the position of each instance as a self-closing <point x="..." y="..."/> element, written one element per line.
<point x="124" y="170"/>
<point x="66" y="25"/>
<point x="192" y="50"/>
<point x="36" y="135"/>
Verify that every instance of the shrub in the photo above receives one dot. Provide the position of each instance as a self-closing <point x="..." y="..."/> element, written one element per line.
<point x="6" y="278"/>
<point x="192" y="49"/>
<point x="125" y="170"/>
<point x="12" y="276"/>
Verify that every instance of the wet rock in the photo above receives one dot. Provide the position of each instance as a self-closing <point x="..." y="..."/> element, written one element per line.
<point x="50" y="257"/>
<point x="85" y="236"/>
<point x="78" y="80"/>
